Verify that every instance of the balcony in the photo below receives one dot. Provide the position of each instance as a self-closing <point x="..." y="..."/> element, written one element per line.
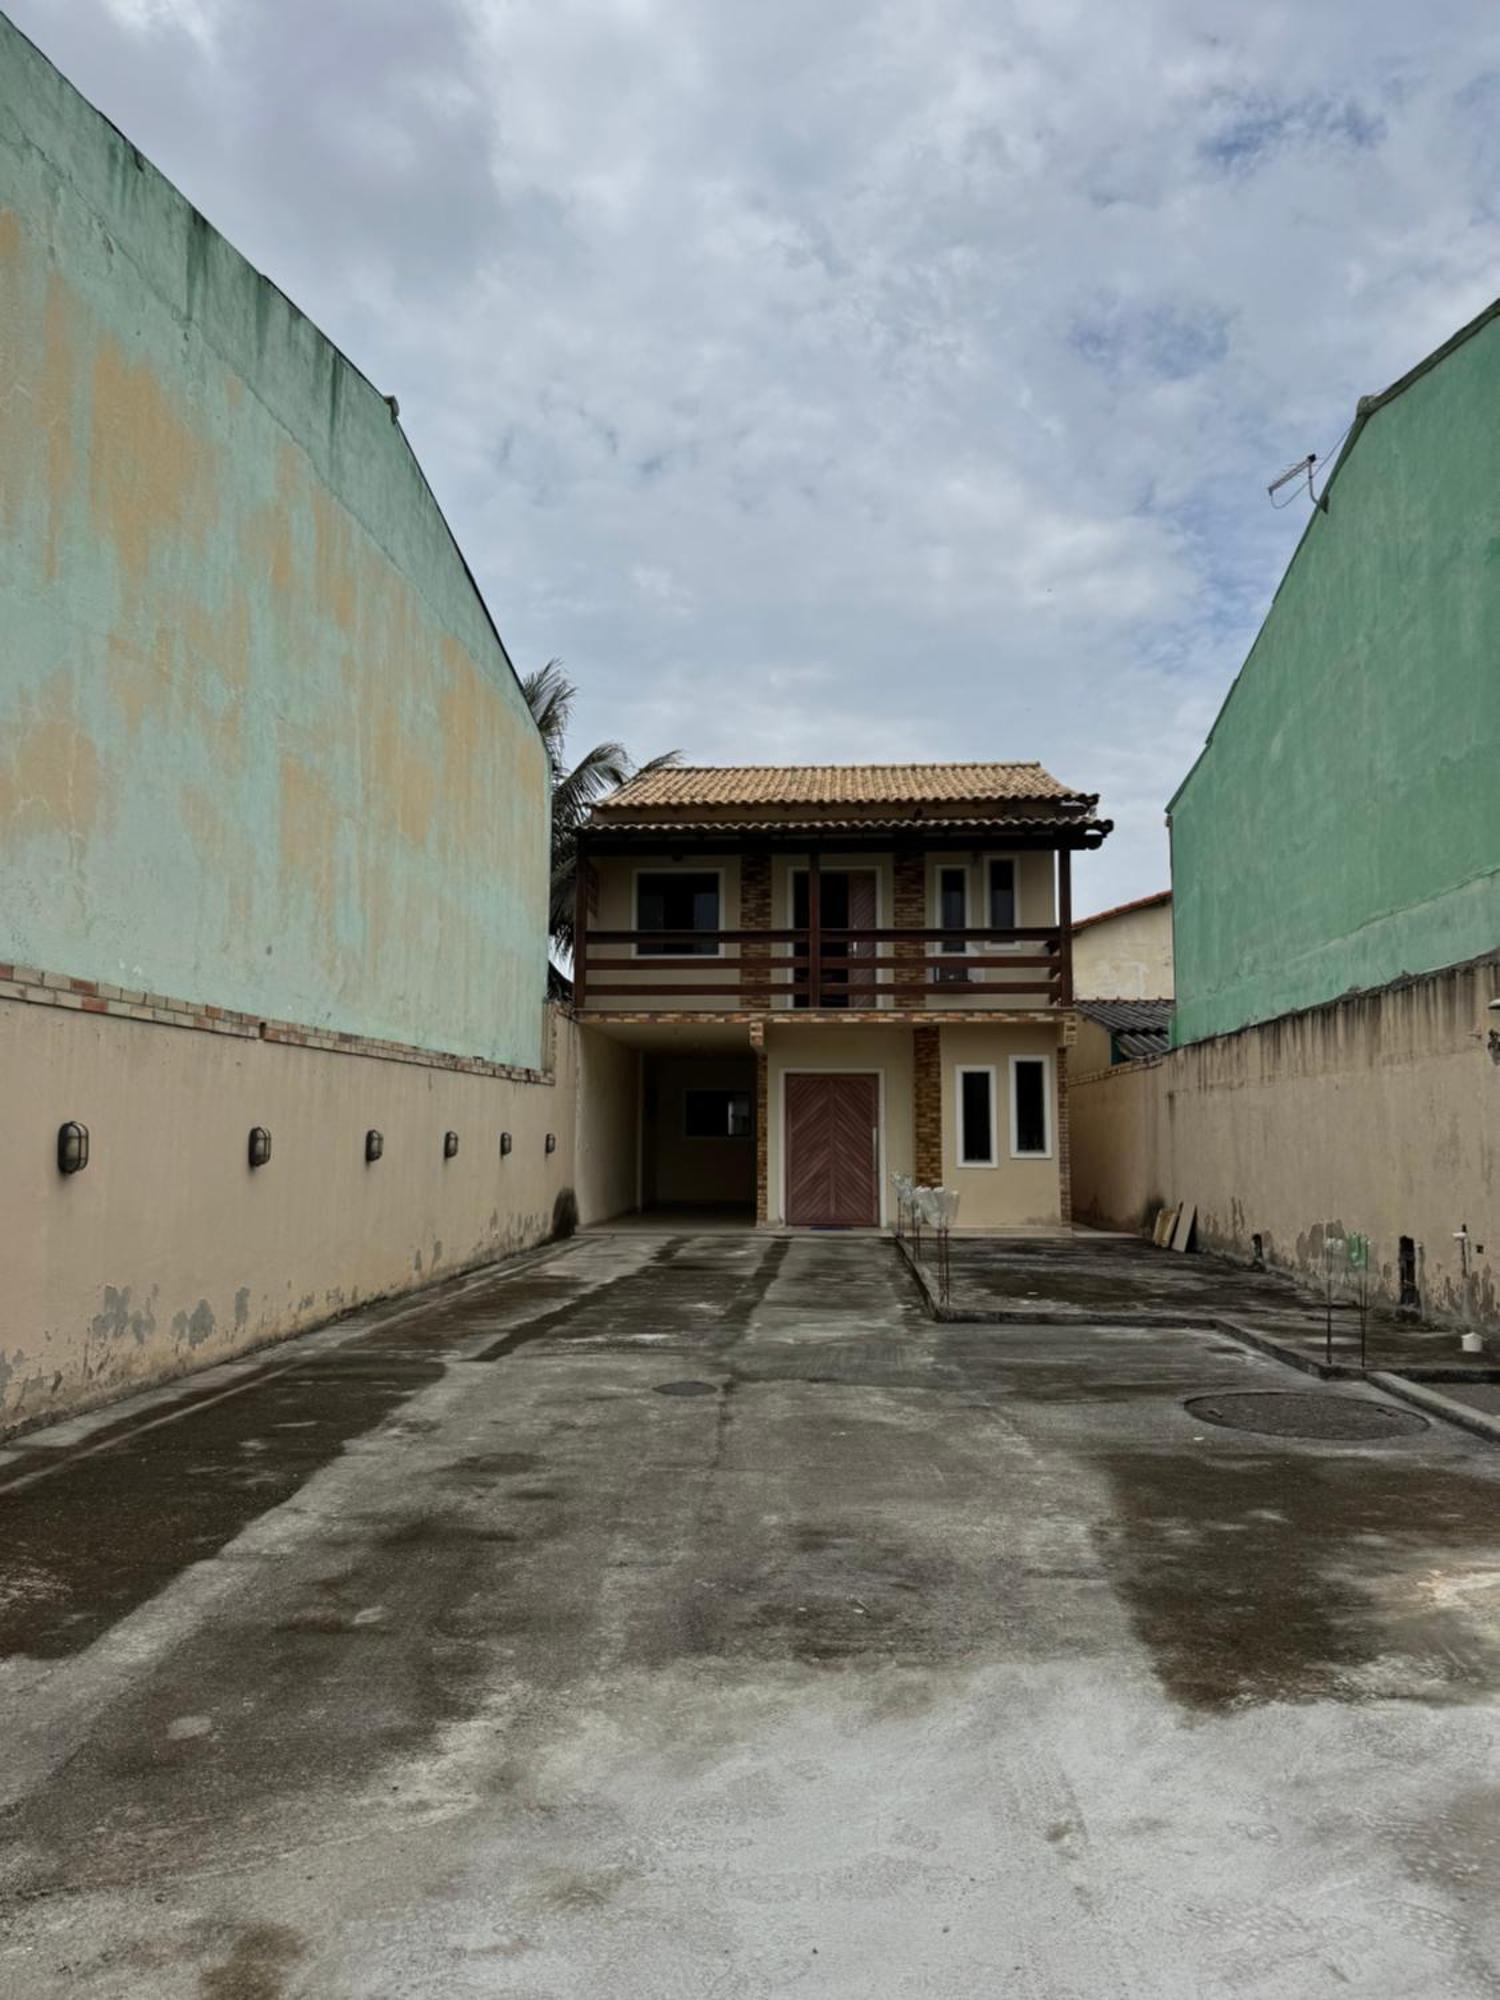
<point x="822" y="970"/>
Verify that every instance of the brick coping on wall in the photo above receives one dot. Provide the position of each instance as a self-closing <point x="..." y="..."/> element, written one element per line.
<point x="123" y="1003"/>
<point x="805" y="1017"/>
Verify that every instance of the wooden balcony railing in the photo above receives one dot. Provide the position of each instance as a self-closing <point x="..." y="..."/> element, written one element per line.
<point x="740" y="971"/>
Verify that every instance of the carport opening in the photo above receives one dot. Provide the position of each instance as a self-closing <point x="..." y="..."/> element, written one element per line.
<point x="698" y="1134"/>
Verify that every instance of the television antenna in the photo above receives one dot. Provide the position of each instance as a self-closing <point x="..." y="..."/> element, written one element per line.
<point x="1303" y="469"/>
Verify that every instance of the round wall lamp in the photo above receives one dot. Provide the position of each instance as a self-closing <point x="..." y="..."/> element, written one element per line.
<point x="72" y="1147"/>
<point x="260" y="1145"/>
<point x="450" y="1145"/>
<point x="504" y="1144"/>
<point x="374" y="1145"/>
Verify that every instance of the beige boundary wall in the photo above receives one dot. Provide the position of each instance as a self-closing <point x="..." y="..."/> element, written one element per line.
<point x="1378" y="1113"/>
<point x="169" y="1252"/>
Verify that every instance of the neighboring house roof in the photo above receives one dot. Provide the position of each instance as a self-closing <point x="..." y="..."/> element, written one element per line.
<point x="1139" y="1027"/>
<point x="1124" y="910"/>
<point x="840" y="785"/>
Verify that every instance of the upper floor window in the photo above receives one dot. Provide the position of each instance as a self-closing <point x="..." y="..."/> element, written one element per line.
<point x="953" y="908"/>
<point x="1002" y="896"/>
<point x="677" y="899"/>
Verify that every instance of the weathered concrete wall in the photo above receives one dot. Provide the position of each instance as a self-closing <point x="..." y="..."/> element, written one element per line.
<point x="1127" y="956"/>
<point x="168" y="1252"/>
<point x="1377" y="1113"/>
<point x="260" y="745"/>
<point x="607" y="1121"/>
<point x="1342" y="827"/>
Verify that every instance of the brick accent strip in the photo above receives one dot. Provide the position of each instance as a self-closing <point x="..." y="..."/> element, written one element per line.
<point x="927" y="1107"/>
<point x="909" y="912"/>
<point x="123" y="1003"/>
<point x="1064" y="1142"/>
<point x="755" y="915"/>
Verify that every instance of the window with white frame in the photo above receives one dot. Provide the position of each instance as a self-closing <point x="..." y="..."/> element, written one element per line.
<point x="1030" y="1107"/>
<point x="976" y="1117"/>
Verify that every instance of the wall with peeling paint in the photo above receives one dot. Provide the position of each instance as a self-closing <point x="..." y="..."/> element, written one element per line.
<point x="260" y="745"/>
<point x="1377" y="1113"/>
<point x="1342" y="827"/>
<point x="169" y="1252"/>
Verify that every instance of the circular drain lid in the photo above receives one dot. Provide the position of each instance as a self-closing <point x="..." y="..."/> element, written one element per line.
<point x="685" y="1389"/>
<point x="1284" y="1413"/>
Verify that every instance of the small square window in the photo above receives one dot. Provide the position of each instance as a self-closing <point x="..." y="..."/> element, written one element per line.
<point x="716" y="1114"/>
<point x="677" y="900"/>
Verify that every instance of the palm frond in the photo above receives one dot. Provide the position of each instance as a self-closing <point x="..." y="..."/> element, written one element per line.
<point x="550" y="696"/>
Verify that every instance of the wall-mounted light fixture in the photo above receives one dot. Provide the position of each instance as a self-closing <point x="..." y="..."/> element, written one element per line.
<point x="260" y="1145"/>
<point x="551" y="1142"/>
<point x="504" y="1144"/>
<point x="450" y="1145"/>
<point x="374" y="1145"/>
<point x="72" y="1148"/>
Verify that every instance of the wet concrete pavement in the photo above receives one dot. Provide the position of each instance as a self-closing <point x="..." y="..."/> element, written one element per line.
<point x="1075" y="1278"/>
<point x="693" y="1616"/>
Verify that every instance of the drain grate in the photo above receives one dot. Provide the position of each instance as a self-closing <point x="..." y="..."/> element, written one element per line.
<point x="1285" y="1413"/>
<point x="685" y="1389"/>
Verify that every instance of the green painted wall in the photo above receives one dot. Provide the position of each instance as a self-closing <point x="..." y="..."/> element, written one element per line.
<point x="1343" y="824"/>
<point x="259" y="743"/>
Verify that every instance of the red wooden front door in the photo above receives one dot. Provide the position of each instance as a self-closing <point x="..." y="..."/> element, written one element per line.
<point x="832" y="1150"/>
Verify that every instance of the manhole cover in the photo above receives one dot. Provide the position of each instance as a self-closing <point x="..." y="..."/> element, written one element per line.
<point x="685" y="1389"/>
<point x="1283" y="1413"/>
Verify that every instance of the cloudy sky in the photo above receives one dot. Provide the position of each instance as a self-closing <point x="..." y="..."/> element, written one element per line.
<point x="853" y="379"/>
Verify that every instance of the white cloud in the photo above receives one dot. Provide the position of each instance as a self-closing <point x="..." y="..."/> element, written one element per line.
<point x="860" y="380"/>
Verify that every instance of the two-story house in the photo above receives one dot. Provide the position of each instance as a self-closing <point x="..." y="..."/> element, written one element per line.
<point x="835" y="973"/>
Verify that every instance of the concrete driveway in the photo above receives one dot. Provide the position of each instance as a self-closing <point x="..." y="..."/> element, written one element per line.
<point x="691" y="1617"/>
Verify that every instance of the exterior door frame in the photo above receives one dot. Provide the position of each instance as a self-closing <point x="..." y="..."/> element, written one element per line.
<point x="878" y="979"/>
<point x="877" y="1070"/>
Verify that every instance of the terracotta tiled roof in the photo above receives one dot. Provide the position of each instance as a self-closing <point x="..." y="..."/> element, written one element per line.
<point x="836" y="785"/>
<point x="1124" y="909"/>
<point x="648" y="827"/>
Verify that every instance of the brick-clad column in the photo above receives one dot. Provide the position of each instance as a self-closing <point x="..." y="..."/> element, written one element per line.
<point x="1064" y="1143"/>
<point x="927" y="1107"/>
<point x="910" y="913"/>
<point x="755" y="915"/>
<point x="762" y="1136"/>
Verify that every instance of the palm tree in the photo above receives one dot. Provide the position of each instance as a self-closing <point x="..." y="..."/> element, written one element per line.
<point x="550" y="695"/>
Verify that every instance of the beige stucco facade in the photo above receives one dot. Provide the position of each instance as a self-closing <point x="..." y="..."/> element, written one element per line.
<point x="1125" y="954"/>
<point x="885" y="1051"/>
<point x="1014" y="1192"/>
<point x="1375" y="1114"/>
<point x="613" y="906"/>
